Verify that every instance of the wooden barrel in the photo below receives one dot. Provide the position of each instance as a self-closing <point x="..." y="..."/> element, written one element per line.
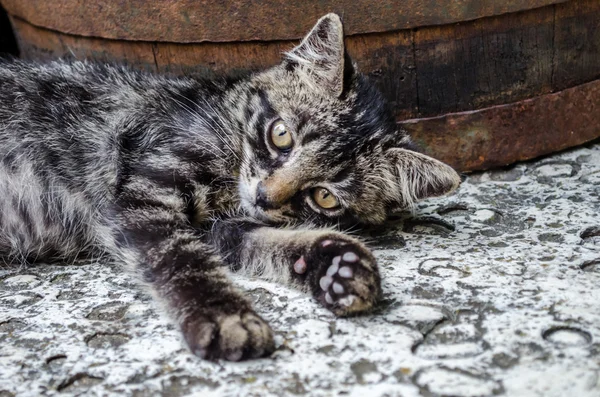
<point x="8" y="45"/>
<point x="478" y="83"/>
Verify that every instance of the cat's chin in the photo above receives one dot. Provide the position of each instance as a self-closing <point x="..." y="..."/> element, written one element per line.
<point x="269" y="216"/>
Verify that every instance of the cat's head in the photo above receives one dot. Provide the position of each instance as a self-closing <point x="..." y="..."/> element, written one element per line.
<point x="322" y="145"/>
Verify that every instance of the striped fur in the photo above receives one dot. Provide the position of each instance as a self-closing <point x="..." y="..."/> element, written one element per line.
<point x="161" y="174"/>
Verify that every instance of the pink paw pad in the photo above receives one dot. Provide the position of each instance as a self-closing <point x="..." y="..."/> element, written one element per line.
<point x="300" y="266"/>
<point x="332" y="283"/>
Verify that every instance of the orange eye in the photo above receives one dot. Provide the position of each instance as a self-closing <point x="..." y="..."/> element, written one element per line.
<point x="281" y="136"/>
<point x="324" y="198"/>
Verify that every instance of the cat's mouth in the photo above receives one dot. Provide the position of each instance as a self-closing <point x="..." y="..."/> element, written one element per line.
<point x="277" y="215"/>
<point x="266" y="215"/>
<point x="271" y="216"/>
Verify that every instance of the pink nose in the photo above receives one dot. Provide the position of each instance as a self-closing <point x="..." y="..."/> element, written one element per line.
<point x="281" y="186"/>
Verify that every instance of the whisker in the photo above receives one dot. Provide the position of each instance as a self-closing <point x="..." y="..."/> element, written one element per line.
<point x="219" y="124"/>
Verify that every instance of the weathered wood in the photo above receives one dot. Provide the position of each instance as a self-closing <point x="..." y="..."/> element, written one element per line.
<point x="484" y="62"/>
<point x="389" y="61"/>
<point x="423" y="73"/>
<point x="8" y="44"/>
<point x="202" y="59"/>
<point x="576" y="43"/>
<point x="464" y="69"/>
<point x="41" y="44"/>
<point x="387" y="58"/>
<point x="206" y="59"/>
<point x="186" y="21"/>
<point x="503" y="134"/>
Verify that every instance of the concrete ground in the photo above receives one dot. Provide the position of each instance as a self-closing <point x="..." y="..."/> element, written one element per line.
<point x="491" y="291"/>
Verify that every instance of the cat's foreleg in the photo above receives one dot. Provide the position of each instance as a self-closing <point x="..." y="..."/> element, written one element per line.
<point x="337" y="269"/>
<point x="157" y="242"/>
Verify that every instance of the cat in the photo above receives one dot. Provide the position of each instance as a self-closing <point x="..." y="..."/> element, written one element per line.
<point x="179" y="179"/>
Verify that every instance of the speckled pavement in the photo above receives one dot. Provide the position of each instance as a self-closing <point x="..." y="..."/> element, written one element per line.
<point x="491" y="291"/>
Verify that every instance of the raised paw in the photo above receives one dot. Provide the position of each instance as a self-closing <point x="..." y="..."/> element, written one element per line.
<point x="232" y="337"/>
<point x="342" y="274"/>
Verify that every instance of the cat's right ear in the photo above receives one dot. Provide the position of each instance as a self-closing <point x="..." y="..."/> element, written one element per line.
<point x="321" y="58"/>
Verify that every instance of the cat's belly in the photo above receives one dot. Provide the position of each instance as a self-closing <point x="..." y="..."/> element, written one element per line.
<point x="40" y="220"/>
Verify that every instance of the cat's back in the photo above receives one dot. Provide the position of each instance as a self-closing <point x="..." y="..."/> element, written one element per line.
<point x="71" y="133"/>
<point x="62" y="118"/>
<point x="59" y="152"/>
<point x="60" y="96"/>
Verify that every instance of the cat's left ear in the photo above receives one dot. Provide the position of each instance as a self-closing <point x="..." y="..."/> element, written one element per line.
<point x="321" y="57"/>
<point x="418" y="176"/>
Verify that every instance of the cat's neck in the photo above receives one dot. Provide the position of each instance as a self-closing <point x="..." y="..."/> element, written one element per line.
<point x="206" y="122"/>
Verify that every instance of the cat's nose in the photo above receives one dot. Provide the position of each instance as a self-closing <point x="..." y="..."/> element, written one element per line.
<point x="262" y="200"/>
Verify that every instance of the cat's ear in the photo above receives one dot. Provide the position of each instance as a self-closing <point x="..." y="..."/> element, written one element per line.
<point x="419" y="176"/>
<point x="321" y="57"/>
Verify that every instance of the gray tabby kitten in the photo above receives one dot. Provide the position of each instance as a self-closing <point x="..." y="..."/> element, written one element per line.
<point x="176" y="177"/>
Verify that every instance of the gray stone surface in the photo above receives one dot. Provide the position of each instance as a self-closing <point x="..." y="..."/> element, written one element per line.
<point x="490" y="291"/>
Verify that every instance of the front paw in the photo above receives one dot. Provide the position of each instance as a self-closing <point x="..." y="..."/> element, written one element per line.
<point x="232" y="337"/>
<point x="342" y="274"/>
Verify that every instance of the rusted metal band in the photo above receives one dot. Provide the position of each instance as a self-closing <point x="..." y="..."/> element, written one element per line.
<point x="194" y="21"/>
<point x="503" y="134"/>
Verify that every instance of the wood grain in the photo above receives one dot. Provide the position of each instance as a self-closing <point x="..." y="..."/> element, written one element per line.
<point x="484" y="62"/>
<point x="576" y="44"/>
<point x="187" y="21"/>
<point x="469" y="70"/>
